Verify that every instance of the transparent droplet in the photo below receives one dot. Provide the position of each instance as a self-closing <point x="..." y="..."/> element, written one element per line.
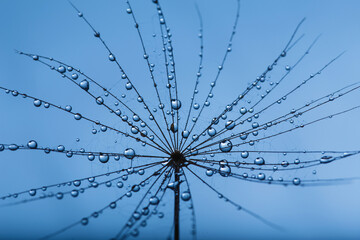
<point x="91" y="157"/>
<point x="185" y="196"/>
<point x="185" y="134"/>
<point x="129" y="153"/>
<point x="224" y="168"/>
<point x="211" y="131"/>
<point x="230" y="125"/>
<point x="175" y="104"/>
<point x="32" y="192"/>
<point x="13" y="147"/>
<point x="103" y="157"/>
<point x="74" y="193"/>
<point x="225" y="145"/>
<point x="84" y="221"/>
<point x="209" y="172"/>
<point x="259" y="161"/>
<point x="77" y="116"/>
<point x="244" y="154"/>
<point x="296" y="181"/>
<point x="84" y="84"/>
<point x="37" y="103"/>
<point x="32" y="144"/>
<point x="99" y="100"/>
<point x="154" y="200"/>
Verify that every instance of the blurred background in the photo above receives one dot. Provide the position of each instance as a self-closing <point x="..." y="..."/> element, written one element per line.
<point x="52" y="28"/>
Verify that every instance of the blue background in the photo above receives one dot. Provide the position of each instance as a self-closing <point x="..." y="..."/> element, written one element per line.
<point x="51" y="28"/>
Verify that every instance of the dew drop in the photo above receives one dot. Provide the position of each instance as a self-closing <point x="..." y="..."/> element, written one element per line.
<point x="84" y="84"/>
<point x="77" y="116"/>
<point x="103" y="157"/>
<point x="32" y="192"/>
<point x="74" y="193"/>
<point x="224" y="168"/>
<point x="13" y="147"/>
<point x="211" y="131"/>
<point x="61" y="69"/>
<point x="259" y="161"/>
<point x="225" y="146"/>
<point x="175" y="104"/>
<point x="129" y="153"/>
<point x="296" y="181"/>
<point x="37" y="103"/>
<point x="84" y="221"/>
<point x="185" y="134"/>
<point x="230" y="125"/>
<point x="99" y="100"/>
<point x="32" y="144"/>
<point x="154" y="200"/>
<point x="209" y="172"/>
<point x="245" y="154"/>
<point x="185" y="196"/>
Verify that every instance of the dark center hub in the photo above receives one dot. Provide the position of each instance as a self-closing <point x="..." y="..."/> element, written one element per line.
<point x="177" y="158"/>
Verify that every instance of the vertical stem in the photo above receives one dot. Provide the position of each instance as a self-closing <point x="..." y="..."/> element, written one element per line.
<point x="177" y="204"/>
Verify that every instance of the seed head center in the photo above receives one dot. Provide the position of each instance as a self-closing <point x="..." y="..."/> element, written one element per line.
<point x="177" y="158"/>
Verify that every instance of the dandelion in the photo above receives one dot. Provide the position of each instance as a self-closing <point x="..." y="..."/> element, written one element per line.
<point x="162" y="143"/>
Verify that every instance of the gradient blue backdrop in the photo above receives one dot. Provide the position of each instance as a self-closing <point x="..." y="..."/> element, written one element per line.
<point x="52" y="28"/>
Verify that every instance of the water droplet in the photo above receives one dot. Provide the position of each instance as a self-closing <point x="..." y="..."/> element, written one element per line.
<point x="129" y="153"/>
<point x="284" y="163"/>
<point x="119" y="184"/>
<point x="103" y="157"/>
<point x="261" y="176"/>
<point x="77" y="183"/>
<point x="32" y="192"/>
<point x="185" y="134"/>
<point x="60" y="148"/>
<point x="74" y="193"/>
<point x="230" y="125"/>
<point x="37" y="103"/>
<point x="13" y="147"/>
<point x="112" y="205"/>
<point x="84" y="84"/>
<point x="111" y="57"/>
<point x="244" y="154"/>
<point x="326" y="159"/>
<point x="225" y="145"/>
<point x="135" y="188"/>
<point x="32" y="144"/>
<point x="74" y="76"/>
<point x="296" y="181"/>
<point x="61" y="69"/>
<point x="224" y="168"/>
<point x="68" y="108"/>
<point x="59" y="195"/>
<point x="84" y="221"/>
<point x="99" y="100"/>
<point x="259" y="161"/>
<point x="243" y="110"/>
<point x="209" y="172"/>
<point x="211" y="131"/>
<point x="77" y="116"/>
<point x="128" y="86"/>
<point x="185" y="196"/>
<point x="91" y="157"/>
<point x="154" y="200"/>
<point x="175" y="104"/>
